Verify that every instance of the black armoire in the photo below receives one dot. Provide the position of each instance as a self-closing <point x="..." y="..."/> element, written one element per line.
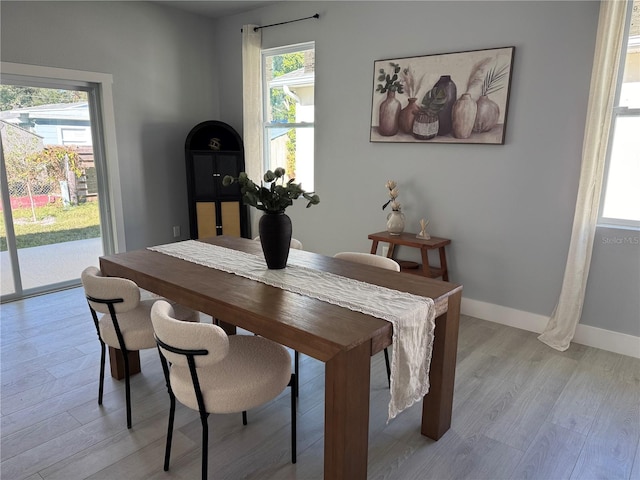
<point x="214" y="149"/>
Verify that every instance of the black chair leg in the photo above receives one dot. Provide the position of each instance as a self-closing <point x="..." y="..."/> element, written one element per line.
<point x="296" y="363"/>
<point x="167" y="450"/>
<point x="294" y="427"/>
<point x="101" y="387"/>
<point x="386" y="361"/>
<point x="127" y="386"/>
<point x="205" y="444"/>
<point x="244" y="417"/>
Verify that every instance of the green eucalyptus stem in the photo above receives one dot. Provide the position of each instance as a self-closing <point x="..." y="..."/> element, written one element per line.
<point x="274" y="198"/>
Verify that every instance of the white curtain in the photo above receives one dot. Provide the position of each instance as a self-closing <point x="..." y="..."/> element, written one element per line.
<point x="562" y="325"/>
<point x="252" y="106"/>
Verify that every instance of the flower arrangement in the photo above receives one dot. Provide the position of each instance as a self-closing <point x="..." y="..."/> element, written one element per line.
<point x="392" y="186"/>
<point x="275" y="198"/>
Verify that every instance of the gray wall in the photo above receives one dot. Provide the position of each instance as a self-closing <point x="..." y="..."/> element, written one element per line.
<point x="164" y="82"/>
<point x="508" y="209"/>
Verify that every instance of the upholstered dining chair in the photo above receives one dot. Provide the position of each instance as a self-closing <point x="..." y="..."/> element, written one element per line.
<point x="210" y="372"/>
<point x="376" y="261"/>
<point x="125" y="320"/>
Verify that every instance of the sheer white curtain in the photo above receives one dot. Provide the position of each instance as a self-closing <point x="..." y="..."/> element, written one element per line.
<point x="252" y="105"/>
<point x="562" y="325"/>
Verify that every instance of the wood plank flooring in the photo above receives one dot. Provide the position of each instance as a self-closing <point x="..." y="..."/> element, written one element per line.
<point x="521" y="411"/>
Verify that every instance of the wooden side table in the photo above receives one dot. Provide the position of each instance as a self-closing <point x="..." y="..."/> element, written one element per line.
<point x="410" y="240"/>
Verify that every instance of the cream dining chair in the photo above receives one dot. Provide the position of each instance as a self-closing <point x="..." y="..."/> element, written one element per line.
<point x="125" y="320"/>
<point x="376" y="261"/>
<point x="211" y="372"/>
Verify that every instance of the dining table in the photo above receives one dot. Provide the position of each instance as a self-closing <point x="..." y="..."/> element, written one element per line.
<point x="344" y="339"/>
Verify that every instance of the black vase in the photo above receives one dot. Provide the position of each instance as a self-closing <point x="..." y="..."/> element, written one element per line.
<point x="275" y="236"/>
<point x="444" y="115"/>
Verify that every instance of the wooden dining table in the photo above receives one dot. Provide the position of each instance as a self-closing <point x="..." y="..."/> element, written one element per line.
<point x="343" y="339"/>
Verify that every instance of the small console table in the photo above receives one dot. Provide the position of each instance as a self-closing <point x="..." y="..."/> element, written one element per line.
<point x="410" y="240"/>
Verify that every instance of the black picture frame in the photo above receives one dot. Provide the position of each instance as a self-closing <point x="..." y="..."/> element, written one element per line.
<point x="469" y="91"/>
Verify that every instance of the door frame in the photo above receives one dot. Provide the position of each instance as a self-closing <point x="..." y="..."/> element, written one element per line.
<point x="104" y="142"/>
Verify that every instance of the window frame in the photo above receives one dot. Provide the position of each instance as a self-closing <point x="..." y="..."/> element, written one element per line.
<point x="104" y="145"/>
<point x="618" y="111"/>
<point x="266" y="124"/>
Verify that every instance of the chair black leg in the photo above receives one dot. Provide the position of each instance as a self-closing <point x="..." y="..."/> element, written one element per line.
<point x="127" y="386"/>
<point x="386" y="361"/>
<point x="296" y="363"/>
<point x="101" y="387"/>
<point x="167" y="450"/>
<point x="205" y="444"/>
<point x="294" y="427"/>
<point x="244" y="417"/>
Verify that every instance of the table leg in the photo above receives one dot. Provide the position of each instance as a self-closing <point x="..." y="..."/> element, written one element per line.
<point x="392" y="247"/>
<point x="228" y="328"/>
<point x="438" y="403"/>
<point x="426" y="269"/>
<point x="374" y="246"/>
<point x="116" y="362"/>
<point x="346" y="414"/>
<point x="443" y="264"/>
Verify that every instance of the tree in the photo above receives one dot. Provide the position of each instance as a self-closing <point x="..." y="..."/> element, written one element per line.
<point x="59" y="160"/>
<point x="13" y="97"/>
<point x="282" y="64"/>
<point x="30" y="164"/>
<point x="284" y="109"/>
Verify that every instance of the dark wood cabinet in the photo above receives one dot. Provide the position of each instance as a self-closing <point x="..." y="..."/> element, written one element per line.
<point x="214" y="149"/>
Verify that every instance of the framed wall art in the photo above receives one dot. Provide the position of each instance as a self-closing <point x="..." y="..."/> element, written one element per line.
<point x="460" y="97"/>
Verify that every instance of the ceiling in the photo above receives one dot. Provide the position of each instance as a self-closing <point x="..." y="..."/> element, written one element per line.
<point x="215" y="9"/>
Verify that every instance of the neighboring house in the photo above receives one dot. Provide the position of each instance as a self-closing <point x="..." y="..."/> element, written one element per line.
<point x="57" y="124"/>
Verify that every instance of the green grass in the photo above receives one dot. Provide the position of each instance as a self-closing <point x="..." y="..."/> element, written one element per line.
<point x="54" y="224"/>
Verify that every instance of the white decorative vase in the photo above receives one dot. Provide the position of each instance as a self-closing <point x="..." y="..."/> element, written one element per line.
<point x="395" y="222"/>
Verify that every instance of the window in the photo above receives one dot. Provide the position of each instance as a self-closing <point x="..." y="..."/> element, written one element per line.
<point x="621" y="195"/>
<point x="288" y="77"/>
<point x="50" y="121"/>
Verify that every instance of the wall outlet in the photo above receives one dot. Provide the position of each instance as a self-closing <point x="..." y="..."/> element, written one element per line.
<point x="385" y="250"/>
<point x="176" y="231"/>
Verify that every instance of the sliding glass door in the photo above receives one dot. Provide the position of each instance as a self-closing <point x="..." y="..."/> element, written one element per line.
<point x="51" y="226"/>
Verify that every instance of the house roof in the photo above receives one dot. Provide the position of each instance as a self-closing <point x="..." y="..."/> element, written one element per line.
<point x="296" y="78"/>
<point x="67" y="111"/>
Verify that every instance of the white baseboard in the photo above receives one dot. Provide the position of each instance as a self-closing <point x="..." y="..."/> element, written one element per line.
<point x="585" y="335"/>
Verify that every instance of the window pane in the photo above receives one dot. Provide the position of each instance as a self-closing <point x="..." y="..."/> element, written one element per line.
<point x="292" y="149"/>
<point x="290" y="84"/>
<point x="621" y="195"/>
<point x="630" y="91"/>
<point x="622" y="199"/>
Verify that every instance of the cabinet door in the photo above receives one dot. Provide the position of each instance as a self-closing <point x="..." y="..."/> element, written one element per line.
<point x="218" y="218"/>
<point x="204" y="182"/>
<point x="226" y="164"/>
<point x="230" y="213"/>
<point x="206" y="219"/>
<point x="208" y="171"/>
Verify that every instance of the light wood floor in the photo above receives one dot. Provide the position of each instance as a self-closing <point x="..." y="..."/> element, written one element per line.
<point x="521" y="410"/>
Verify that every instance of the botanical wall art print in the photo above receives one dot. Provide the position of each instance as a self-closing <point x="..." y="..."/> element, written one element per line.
<point x="459" y="97"/>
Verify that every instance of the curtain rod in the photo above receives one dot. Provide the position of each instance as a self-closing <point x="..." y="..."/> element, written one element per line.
<point x="255" y="29"/>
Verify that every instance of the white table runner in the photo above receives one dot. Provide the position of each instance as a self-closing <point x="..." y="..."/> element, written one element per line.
<point x="412" y="316"/>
